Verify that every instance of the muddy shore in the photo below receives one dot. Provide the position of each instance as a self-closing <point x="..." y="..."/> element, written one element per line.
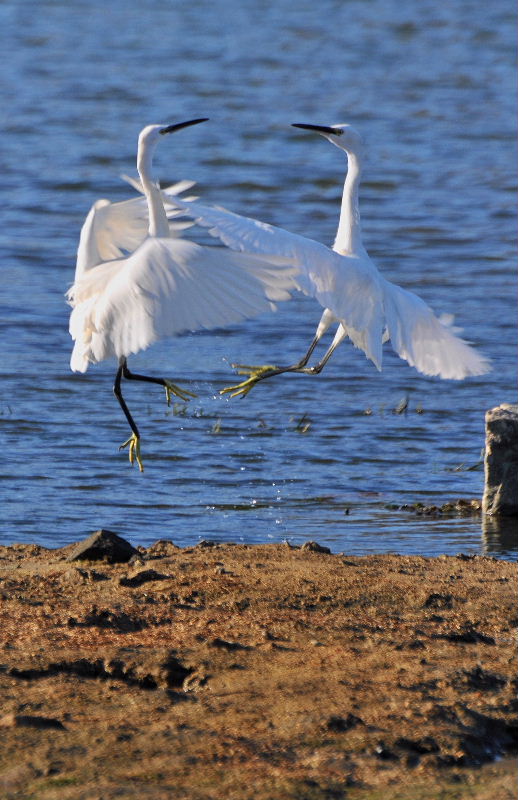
<point x="263" y="672"/>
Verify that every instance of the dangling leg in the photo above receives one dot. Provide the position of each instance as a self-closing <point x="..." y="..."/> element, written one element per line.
<point x="340" y="335"/>
<point x="169" y="386"/>
<point x="257" y="374"/>
<point x="134" y="441"/>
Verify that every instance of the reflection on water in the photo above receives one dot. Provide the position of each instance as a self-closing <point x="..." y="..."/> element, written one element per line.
<point x="500" y="535"/>
<point x="300" y="458"/>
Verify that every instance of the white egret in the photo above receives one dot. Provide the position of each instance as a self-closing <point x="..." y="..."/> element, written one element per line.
<point x="165" y="286"/>
<point x="368" y="308"/>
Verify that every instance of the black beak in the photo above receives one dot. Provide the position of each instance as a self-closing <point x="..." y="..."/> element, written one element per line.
<point x="318" y="128"/>
<point x="179" y="125"/>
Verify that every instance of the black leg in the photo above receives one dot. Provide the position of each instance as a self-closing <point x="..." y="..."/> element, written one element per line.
<point x="340" y="335"/>
<point x="170" y="388"/>
<point x="118" y="394"/>
<point x="134" y="441"/>
<point x="304" y="361"/>
<point x="132" y="376"/>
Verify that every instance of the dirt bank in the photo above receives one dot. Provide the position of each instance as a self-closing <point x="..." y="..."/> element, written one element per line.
<point x="256" y="672"/>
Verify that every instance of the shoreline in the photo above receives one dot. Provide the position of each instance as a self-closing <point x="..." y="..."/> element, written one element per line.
<point x="256" y="671"/>
<point x="497" y="535"/>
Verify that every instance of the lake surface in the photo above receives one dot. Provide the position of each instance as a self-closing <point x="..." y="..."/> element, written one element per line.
<point x="431" y="87"/>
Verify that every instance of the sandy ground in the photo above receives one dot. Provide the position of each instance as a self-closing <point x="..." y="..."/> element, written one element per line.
<point x="256" y="672"/>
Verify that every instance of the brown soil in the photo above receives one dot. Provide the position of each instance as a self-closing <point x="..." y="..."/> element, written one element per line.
<point x="256" y="673"/>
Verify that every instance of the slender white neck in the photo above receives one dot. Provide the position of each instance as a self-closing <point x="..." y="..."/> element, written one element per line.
<point x="348" y="239"/>
<point x="158" y="224"/>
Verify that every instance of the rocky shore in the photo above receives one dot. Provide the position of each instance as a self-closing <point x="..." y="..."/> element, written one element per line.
<point x="262" y="672"/>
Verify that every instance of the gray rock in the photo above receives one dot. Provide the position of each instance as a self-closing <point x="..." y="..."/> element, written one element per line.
<point x="144" y="576"/>
<point x="501" y="461"/>
<point x="315" y="548"/>
<point x="103" y="545"/>
<point x="161" y="549"/>
<point x="341" y="724"/>
<point x="225" y="645"/>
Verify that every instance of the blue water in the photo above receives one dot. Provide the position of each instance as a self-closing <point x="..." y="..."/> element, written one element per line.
<point x="432" y="89"/>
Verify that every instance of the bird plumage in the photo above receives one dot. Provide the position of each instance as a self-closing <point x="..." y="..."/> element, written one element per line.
<point x="112" y="230"/>
<point x="166" y="285"/>
<point x="137" y="282"/>
<point x="345" y="281"/>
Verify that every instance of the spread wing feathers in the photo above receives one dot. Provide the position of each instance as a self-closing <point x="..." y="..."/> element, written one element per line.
<point x="348" y="285"/>
<point x="112" y="230"/>
<point x="167" y="287"/>
<point x="428" y="344"/>
<point x="109" y="230"/>
<point x="370" y="308"/>
<point x="253" y="236"/>
<point x="173" y="190"/>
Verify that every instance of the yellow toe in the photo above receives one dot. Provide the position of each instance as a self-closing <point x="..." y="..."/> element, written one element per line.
<point x="133" y="443"/>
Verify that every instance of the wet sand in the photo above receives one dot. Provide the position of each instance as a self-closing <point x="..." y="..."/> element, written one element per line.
<point x="267" y="672"/>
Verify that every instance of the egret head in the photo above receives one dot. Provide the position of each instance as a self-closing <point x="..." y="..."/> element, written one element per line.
<point x="343" y="136"/>
<point x="150" y="135"/>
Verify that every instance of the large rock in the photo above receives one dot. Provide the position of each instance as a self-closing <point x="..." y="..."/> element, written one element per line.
<point x="501" y="461"/>
<point x="103" y="545"/>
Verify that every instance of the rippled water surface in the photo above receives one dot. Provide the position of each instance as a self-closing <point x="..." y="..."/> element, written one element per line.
<point x="431" y="88"/>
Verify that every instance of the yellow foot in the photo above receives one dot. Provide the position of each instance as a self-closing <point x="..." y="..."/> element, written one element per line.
<point x="172" y="388"/>
<point x="134" y="450"/>
<point x="255" y="374"/>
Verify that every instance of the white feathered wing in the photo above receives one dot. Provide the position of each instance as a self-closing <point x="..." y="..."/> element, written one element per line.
<point x="370" y="308"/>
<point x="166" y="287"/>
<point x="112" y="230"/>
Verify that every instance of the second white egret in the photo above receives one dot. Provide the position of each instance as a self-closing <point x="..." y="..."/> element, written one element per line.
<point x="367" y="308"/>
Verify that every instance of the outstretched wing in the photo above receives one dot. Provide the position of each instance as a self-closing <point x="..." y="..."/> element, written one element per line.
<point x="173" y="190"/>
<point x="370" y="308"/>
<point x="428" y="344"/>
<point x="109" y="230"/>
<point x="253" y="236"/>
<point x="112" y="230"/>
<point x="347" y="285"/>
<point x="166" y="287"/>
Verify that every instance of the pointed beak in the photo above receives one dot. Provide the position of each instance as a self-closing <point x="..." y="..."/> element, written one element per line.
<point x="179" y="125"/>
<point x="324" y="129"/>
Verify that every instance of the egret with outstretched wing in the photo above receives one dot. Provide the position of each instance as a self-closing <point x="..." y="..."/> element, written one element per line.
<point x="367" y="308"/>
<point x="165" y="286"/>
